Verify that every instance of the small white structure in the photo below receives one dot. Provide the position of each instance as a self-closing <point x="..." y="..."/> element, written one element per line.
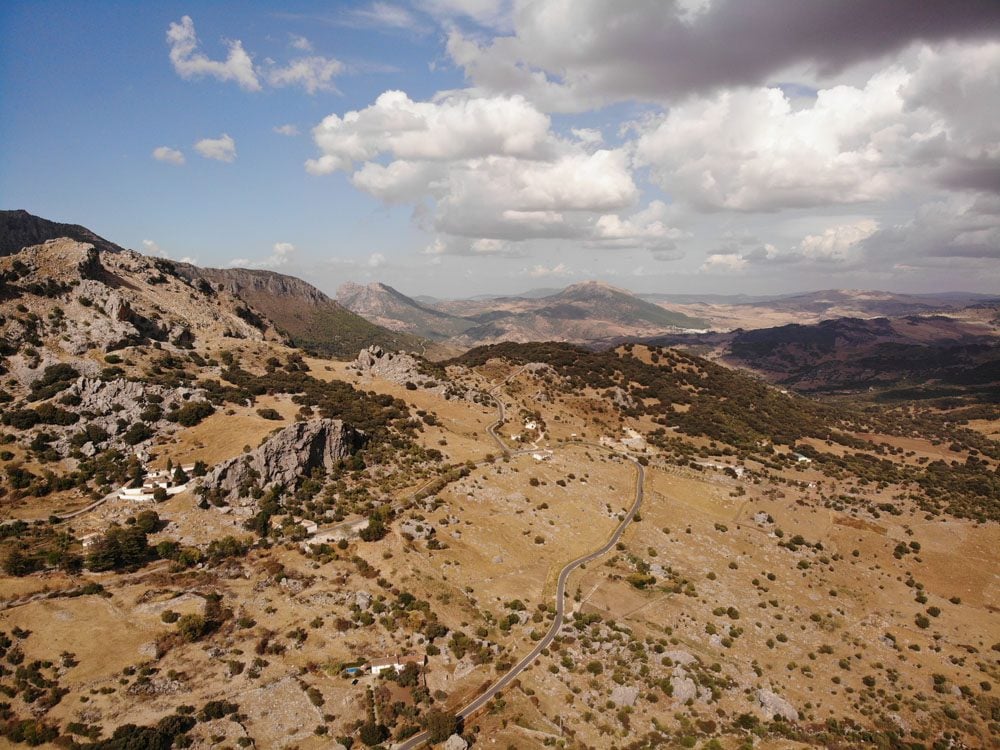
<point x="802" y="459"/>
<point x="156" y="479"/>
<point x="395" y="663"/>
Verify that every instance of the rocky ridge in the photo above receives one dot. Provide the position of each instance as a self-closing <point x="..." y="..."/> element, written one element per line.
<point x="69" y="297"/>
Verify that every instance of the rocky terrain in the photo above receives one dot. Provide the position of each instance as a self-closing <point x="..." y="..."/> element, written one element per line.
<point x="301" y="311"/>
<point x="19" y="229"/>
<point x="557" y="546"/>
<point x="67" y="297"/>
<point x="282" y="460"/>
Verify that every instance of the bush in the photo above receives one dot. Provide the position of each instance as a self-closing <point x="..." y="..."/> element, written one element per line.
<point x="268" y="414"/>
<point x="191" y="627"/>
<point x="138" y="432"/>
<point x="191" y="413"/>
<point x="216" y="710"/>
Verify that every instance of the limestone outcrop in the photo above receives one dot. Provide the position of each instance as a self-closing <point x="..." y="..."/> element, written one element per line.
<point x="284" y="459"/>
<point x="396" y="367"/>
<point x="773" y="705"/>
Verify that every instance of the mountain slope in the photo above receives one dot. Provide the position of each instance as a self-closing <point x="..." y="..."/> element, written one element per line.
<point x="855" y="354"/>
<point x="579" y="313"/>
<point x="310" y="318"/>
<point x="19" y="229"/>
<point x="67" y="298"/>
<point x="385" y="306"/>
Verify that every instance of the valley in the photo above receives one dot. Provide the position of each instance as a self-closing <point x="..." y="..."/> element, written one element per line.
<point x="628" y="545"/>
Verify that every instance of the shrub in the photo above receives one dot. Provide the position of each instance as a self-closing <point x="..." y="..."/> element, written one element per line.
<point x="191" y="627"/>
<point x="191" y="413"/>
<point x="138" y="432"/>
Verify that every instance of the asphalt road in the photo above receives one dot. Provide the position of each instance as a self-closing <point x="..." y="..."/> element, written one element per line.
<point x="483" y="698"/>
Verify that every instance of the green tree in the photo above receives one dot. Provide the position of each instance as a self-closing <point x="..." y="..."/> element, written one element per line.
<point x="440" y="725"/>
<point x="372" y="734"/>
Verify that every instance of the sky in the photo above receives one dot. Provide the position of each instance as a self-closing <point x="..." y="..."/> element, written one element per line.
<point x="461" y="147"/>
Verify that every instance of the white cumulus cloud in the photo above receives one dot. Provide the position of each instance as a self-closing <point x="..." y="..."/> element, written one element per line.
<point x="168" y="155"/>
<point x="222" y="148"/>
<point x="483" y="173"/>
<point x="190" y="63"/>
<point x="281" y="253"/>
<point x="313" y="73"/>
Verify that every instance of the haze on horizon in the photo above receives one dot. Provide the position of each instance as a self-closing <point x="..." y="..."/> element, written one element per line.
<point x="462" y="147"/>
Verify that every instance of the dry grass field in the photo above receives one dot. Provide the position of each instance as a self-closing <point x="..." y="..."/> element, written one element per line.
<point x="727" y="602"/>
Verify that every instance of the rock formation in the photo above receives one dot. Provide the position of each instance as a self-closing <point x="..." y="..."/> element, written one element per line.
<point x="283" y="459"/>
<point x="396" y="367"/>
<point x="774" y="705"/>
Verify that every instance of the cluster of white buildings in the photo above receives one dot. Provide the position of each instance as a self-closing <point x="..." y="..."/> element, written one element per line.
<point x="157" y="479"/>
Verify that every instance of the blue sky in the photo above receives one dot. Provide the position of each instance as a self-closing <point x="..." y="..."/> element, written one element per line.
<point x="499" y="146"/>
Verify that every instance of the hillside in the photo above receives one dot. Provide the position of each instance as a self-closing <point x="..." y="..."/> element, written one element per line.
<point x="926" y="355"/>
<point x="309" y="318"/>
<point x="19" y="229"/>
<point x="321" y="515"/>
<point x="298" y="309"/>
<point x="579" y="313"/>
<point x="387" y="307"/>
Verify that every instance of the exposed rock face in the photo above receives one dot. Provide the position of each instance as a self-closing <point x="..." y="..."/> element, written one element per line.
<point x="624" y="695"/>
<point x="455" y="742"/>
<point x="774" y="705"/>
<point x="299" y="309"/>
<point x="682" y="686"/>
<point x="284" y="459"/>
<point x="242" y="282"/>
<point x="622" y="398"/>
<point x="403" y="368"/>
<point x="396" y="367"/>
<point x="103" y="403"/>
<point x="83" y="298"/>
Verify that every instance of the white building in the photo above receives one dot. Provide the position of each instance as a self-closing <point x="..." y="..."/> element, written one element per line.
<point x="395" y="663"/>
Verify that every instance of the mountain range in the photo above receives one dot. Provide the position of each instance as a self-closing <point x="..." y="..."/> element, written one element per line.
<point x="925" y="355"/>
<point x="580" y="313"/>
<point x="826" y="341"/>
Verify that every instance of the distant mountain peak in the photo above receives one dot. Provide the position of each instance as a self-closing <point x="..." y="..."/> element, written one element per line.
<point x="595" y="286"/>
<point x="382" y="304"/>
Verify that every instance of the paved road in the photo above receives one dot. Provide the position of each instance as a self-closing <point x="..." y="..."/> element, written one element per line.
<point x="483" y="698"/>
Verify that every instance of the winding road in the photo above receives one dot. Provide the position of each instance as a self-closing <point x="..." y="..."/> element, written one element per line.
<point x="503" y="682"/>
